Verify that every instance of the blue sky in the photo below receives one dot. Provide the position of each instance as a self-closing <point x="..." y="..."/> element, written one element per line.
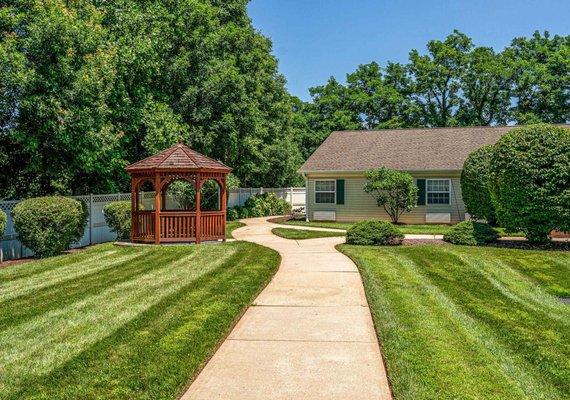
<point x="315" y="39"/>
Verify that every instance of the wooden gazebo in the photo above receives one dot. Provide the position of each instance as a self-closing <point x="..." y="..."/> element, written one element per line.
<point x="161" y="225"/>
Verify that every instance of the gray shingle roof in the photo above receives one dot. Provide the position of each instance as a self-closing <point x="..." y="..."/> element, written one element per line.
<point x="425" y="149"/>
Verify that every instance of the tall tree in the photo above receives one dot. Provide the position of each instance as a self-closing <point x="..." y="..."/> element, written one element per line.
<point x="437" y="77"/>
<point x="379" y="99"/>
<point x="542" y="78"/>
<point x="486" y="87"/>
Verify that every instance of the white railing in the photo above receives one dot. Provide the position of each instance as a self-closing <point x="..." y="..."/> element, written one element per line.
<point x="96" y="229"/>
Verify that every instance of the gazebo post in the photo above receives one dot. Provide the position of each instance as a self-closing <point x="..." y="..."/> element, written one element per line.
<point x="223" y="205"/>
<point x="157" y="208"/>
<point x="198" y="201"/>
<point x="134" y="207"/>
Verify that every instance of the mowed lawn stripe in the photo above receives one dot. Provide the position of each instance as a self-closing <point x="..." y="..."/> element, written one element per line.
<point x="13" y="289"/>
<point x="459" y="322"/>
<point x="505" y="363"/>
<point x="412" y="300"/>
<point x="154" y="355"/>
<point x="55" y="265"/>
<point x="535" y="334"/>
<point x="59" y="294"/>
<point x="37" y="345"/>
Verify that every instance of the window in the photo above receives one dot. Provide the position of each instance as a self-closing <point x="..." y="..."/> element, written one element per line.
<point x="438" y="191"/>
<point x="325" y="192"/>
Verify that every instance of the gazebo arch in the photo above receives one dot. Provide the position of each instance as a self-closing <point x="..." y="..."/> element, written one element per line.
<point x="167" y="226"/>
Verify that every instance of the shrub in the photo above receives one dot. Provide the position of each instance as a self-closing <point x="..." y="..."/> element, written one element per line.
<point x="475" y="184"/>
<point x="232" y="214"/>
<point x="118" y="218"/>
<point x="242" y="212"/>
<point x="374" y="232"/>
<point x="266" y="204"/>
<point x="3" y="221"/>
<point x="471" y="233"/>
<point x="530" y="175"/>
<point x="48" y="225"/>
<point x="393" y="190"/>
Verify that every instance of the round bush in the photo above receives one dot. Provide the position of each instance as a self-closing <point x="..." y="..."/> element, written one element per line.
<point x="471" y="233"/>
<point x="118" y="218"/>
<point x="475" y="184"/>
<point x="48" y="225"/>
<point x="374" y="232"/>
<point x="266" y="204"/>
<point x="232" y="214"/>
<point x="3" y="221"/>
<point x="530" y="180"/>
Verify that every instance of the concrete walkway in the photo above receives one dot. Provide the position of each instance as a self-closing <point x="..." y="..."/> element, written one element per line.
<point x="308" y="335"/>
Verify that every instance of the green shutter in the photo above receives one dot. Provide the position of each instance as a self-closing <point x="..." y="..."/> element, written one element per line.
<point x="340" y="191"/>
<point x="421" y="192"/>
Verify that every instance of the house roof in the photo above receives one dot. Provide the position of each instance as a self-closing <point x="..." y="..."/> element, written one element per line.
<point x="178" y="157"/>
<point x="425" y="149"/>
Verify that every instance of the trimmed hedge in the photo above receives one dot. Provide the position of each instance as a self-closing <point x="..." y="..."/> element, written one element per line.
<point x="374" y="232"/>
<point x="471" y="233"/>
<point x="475" y="184"/>
<point x="48" y="225"/>
<point x="530" y="180"/>
<point x="3" y="222"/>
<point x="118" y="217"/>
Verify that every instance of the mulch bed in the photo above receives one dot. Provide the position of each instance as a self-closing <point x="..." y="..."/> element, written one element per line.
<point x="524" y="245"/>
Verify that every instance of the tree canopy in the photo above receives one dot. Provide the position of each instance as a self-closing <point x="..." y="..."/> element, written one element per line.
<point x="89" y="86"/>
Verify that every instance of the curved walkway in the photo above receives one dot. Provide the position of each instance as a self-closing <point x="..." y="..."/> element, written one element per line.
<point x="308" y="335"/>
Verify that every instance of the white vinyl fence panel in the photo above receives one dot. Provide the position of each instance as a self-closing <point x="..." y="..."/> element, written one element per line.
<point x="96" y="229"/>
<point x="294" y="195"/>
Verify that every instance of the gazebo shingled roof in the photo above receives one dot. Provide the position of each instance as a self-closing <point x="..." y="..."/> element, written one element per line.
<point x="178" y="156"/>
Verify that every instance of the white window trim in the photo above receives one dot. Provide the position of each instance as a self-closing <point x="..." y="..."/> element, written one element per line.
<point x="325" y="191"/>
<point x="438" y="191"/>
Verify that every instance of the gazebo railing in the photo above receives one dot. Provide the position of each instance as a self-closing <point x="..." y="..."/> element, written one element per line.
<point x="212" y="224"/>
<point x="178" y="226"/>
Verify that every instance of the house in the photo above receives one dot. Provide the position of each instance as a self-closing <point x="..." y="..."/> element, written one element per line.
<point x="334" y="173"/>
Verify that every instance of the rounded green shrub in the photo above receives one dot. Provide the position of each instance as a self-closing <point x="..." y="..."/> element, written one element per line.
<point x="232" y="214"/>
<point x="118" y="218"/>
<point x="48" y="225"/>
<point x="243" y="212"/>
<point x="374" y="232"/>
<point x="3" y="221"/>
<point x="475" y="184"/>
<point x="266" y="204"/>
<point x="471" y="233"/>
<point x="530" y="181"/>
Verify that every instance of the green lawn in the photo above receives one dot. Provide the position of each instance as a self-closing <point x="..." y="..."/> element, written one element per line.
<point x="122" y="322"/>
<point x="428" y="229"/>
<point x="231" y="226"/>
<point x="469" y="322"/>
<point x="424" y="229"/>
<point x="300" y="234"/>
